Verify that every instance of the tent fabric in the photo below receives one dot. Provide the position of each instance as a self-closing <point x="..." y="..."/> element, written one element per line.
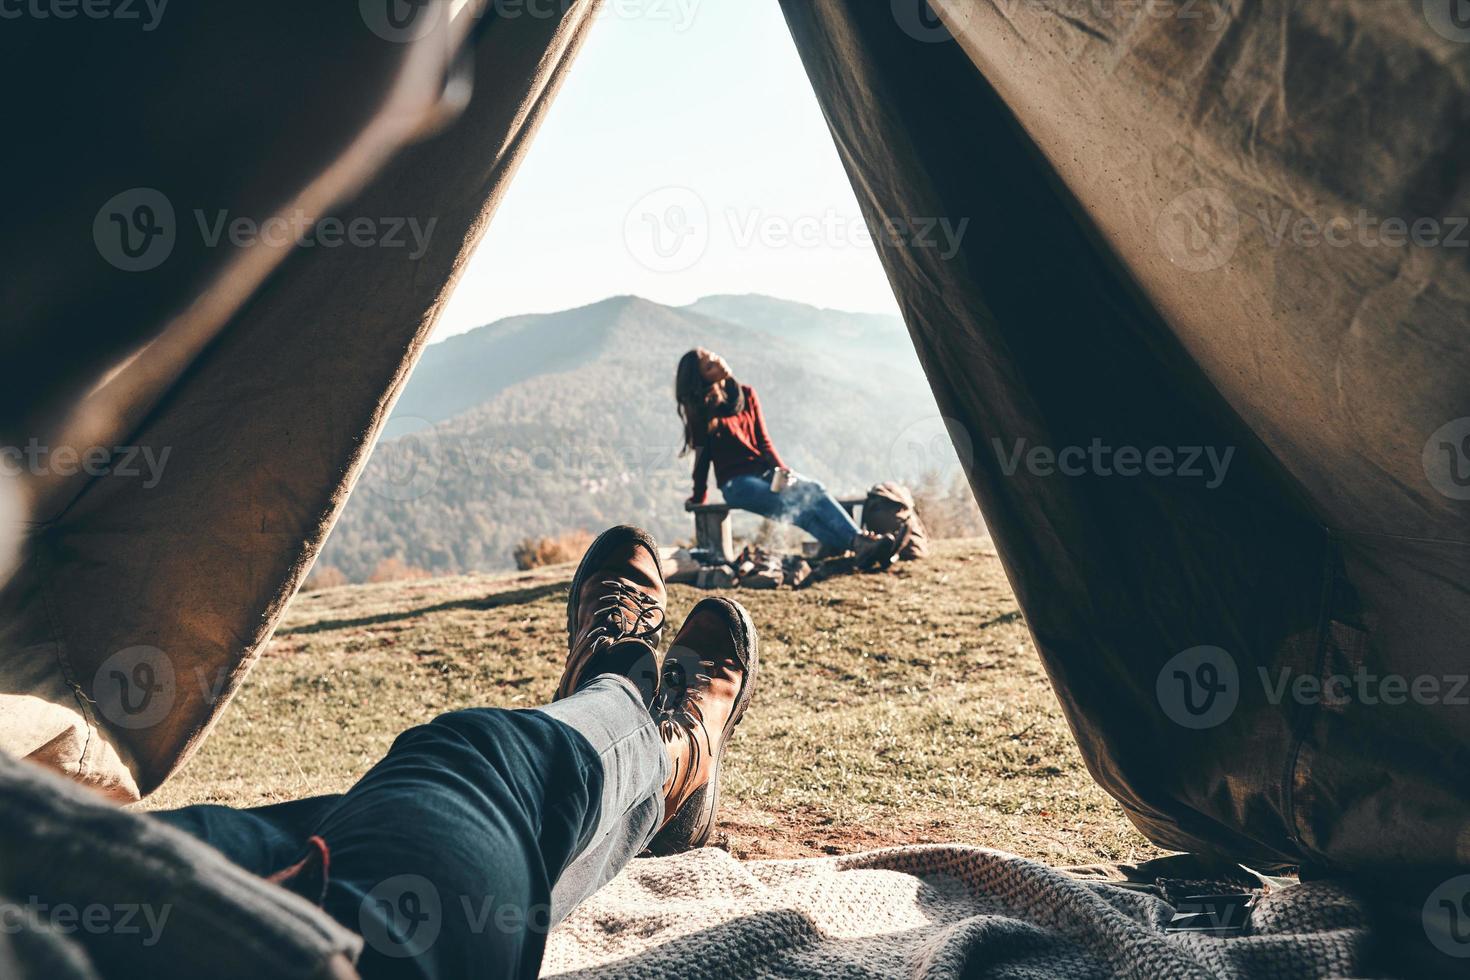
<point x="91" y="890"/>
<point x="1125" y="173"/>
<point x="139" y="608"/>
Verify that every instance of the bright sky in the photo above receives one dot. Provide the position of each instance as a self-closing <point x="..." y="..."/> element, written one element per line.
<point x="685" y="156"/>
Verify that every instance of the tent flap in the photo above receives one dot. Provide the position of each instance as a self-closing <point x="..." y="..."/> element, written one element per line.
<point x="142" y="603"/>
<point x="1206" y="449"/>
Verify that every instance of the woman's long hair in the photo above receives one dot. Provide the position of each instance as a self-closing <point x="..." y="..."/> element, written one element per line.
<point x="700" y="401"/>
<point x="692" y="392"/>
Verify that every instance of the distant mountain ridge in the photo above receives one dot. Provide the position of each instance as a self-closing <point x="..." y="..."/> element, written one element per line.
<point x="539" y="424"/>
<point x="857" y="333"/>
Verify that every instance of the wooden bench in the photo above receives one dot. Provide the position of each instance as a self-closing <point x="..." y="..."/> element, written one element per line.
<point x="712" y="526"/>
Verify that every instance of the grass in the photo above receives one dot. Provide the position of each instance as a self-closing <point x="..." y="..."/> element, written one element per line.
<point x="898" y="708"/>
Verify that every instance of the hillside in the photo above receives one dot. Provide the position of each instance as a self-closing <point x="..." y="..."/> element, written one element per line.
<point x="541" y="424"/>
<point x="900" y="708"/>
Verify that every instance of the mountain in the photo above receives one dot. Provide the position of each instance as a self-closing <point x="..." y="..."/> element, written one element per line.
<point x="464" y="371"/>
<point x="536" y="425"/>
<point x="865" y="335"/>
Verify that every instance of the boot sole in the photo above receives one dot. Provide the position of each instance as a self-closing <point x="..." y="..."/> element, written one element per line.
<point x="694" y="822"/>
<point x="887" y="558"/>
<point x="593" y="558"/>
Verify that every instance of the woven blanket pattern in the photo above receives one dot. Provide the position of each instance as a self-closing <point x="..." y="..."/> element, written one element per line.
<point x="931" y="912"/>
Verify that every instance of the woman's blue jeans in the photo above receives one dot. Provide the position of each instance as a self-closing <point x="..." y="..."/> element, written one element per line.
<point x="805" y="503"/>
<point x="454" y="855"/>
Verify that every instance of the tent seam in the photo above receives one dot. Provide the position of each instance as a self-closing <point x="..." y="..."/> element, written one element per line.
<point x="68" y="673"/>
<point x="1308" y="712"/>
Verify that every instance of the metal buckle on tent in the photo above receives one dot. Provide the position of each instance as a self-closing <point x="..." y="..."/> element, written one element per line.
<point x="1213" y="915"/>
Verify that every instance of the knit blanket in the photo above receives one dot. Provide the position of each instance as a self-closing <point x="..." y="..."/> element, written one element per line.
<point x="935" y="911"/>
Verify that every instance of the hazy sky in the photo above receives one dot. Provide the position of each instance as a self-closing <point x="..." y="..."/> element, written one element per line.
<point x="685" y="156"/>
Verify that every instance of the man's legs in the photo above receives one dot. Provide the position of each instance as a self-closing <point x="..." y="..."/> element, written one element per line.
<point x="634" y="767"/>
<point x="455" y="854"/>
<point x="477" y="832"/>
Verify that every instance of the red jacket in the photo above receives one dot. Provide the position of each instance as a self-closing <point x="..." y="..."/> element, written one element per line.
<point x="737" y="444"/>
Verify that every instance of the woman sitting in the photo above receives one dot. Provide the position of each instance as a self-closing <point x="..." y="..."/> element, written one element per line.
<point x="724" y="428"/>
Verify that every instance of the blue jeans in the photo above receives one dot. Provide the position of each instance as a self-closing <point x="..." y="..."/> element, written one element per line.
<point x="476" y="833"/>
<point x="805" y="503"/>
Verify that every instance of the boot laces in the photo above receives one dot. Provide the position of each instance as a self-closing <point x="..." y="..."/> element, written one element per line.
<point x="677" y="711"/>
<point x="626" y="613"/>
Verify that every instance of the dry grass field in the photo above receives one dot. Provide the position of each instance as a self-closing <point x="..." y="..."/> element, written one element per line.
<point x="896" y="708"/>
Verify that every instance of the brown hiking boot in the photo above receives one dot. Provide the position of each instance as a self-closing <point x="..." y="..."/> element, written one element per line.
<point x="708" y="678"/>
<point x="871" y="550"/>
<point x="615" y="612"/>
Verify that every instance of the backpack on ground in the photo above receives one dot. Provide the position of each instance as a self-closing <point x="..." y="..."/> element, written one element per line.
<point x="889" y="509"/>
